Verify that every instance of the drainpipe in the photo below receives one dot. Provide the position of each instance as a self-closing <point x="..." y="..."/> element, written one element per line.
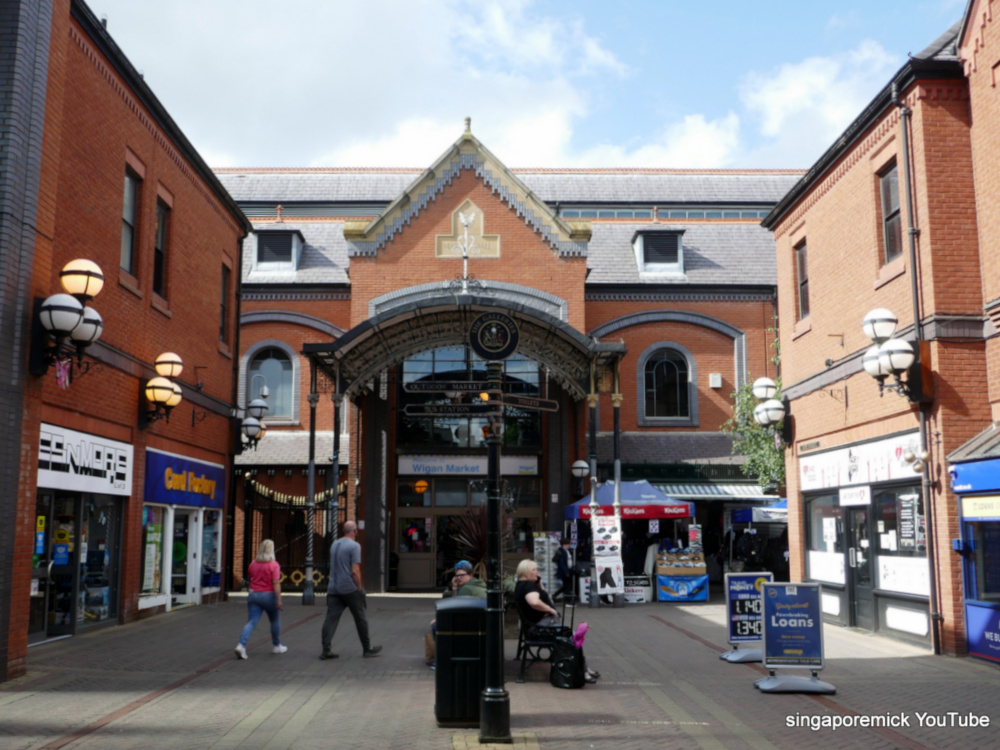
<point x="905" y="114"/>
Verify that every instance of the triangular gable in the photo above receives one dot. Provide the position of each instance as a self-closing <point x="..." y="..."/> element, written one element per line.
<point x="467" y="153"/>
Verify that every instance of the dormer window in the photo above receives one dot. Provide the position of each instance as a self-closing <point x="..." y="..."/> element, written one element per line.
<point x="659" y="252"/>
<point x="278" y="250"/>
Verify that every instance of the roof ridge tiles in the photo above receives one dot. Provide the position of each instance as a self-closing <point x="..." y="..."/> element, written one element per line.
<point x="546" y="170"/>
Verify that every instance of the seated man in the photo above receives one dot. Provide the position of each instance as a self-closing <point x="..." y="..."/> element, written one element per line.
<point x="463" y="583"/>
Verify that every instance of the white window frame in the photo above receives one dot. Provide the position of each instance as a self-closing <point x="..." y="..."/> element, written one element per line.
<point x="673" y="270"/>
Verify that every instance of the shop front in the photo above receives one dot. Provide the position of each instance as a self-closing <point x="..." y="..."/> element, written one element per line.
<point x="441" y="514"/>
<point x="181" y="530"/>
<point x="978" y="485"/>
<point x="83" y="481"/>
<point x="865" y="537"/>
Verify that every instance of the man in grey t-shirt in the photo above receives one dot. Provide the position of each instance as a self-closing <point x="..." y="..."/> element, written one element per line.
<point x="346" y="591"/>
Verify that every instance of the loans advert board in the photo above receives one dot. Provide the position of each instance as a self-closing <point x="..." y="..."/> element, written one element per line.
<point x="793" y="625"/>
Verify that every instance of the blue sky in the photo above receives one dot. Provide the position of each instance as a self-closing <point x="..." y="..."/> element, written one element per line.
<point x="552" y="83"/>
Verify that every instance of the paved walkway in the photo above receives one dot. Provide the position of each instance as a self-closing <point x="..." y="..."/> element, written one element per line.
<point x="172" y="682"/>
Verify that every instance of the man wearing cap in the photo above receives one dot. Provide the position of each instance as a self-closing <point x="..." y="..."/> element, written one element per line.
<point x="463" y="583"/>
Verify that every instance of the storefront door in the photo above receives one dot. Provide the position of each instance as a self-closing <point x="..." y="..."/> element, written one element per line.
<point x="55" y="580"/>
<point x="860" y="567"/>
<point x="416" y="552"/>
<point x="185" y="572"/>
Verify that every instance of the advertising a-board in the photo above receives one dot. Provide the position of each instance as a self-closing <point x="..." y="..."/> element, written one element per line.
<point x="744" y="606"/>
<point x="793" y="625"/>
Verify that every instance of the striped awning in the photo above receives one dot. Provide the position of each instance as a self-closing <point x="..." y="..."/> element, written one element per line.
<point x="743" y="493"/>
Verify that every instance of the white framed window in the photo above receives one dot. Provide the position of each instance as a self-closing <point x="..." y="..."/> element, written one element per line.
<point x="659" y="252"/>
<point x="278" y="250"/>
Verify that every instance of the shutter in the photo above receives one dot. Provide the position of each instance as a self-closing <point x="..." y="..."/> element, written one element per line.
<point x="660" y="248"/>
<point x="274" y="247"/>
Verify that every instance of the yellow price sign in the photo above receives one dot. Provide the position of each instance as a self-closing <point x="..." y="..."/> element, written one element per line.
<point x="40" y="523"/>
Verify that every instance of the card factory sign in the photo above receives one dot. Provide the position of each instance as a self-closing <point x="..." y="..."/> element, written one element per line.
<point x="879" y="461"/>
<point x="78" y="461"/>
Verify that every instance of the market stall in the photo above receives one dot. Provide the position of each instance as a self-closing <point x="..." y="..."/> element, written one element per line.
<point x="643" y="508"/>
<point x="757" y="539"/>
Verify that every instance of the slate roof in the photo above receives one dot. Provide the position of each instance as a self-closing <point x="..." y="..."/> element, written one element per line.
<point x="324" y="255"/>
<point x="714" y="253"/>
<point x="291" y="448"/>
<point x="556" y="185"/>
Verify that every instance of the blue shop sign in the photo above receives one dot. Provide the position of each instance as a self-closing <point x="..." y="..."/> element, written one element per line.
<point x="793" y="625"/>
<point x="178" y="480"/>
<point x="682" y="588"/>
<point x="982" y="625"/>
<point x="975" y="476"/>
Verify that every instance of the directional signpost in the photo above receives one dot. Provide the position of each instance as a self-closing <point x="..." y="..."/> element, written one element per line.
<point x="528" y="402"/>
<point x="445" y="386"/>
<point x="449" y="410"/>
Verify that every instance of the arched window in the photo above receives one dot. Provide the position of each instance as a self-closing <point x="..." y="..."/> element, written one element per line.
<point x="272" y="367"/>
<point x="666" y="375"/>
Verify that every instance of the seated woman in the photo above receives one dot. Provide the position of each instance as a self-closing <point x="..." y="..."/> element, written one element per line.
<point x="534" y="603"/>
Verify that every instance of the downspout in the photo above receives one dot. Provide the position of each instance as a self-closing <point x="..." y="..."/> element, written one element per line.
<point x="233" y="430"/>
<point x="905" y="114"/>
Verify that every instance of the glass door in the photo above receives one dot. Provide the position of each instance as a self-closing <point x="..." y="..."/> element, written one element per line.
<point x="416" y="552"/>
<point x="185" y="571"/>
<point x="860" y="568"/>
<point x="55" y="576"/>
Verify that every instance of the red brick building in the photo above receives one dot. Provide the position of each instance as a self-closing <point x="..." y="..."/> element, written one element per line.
<point x="887" y="220"/>
<point x="655" y="285"/>
<point x="109" y="516"/>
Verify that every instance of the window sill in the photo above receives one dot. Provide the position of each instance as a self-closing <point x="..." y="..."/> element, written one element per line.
<point x="890" y="271"/>
<point x="130" y="282"/>
<point x="667" y="422"/>
<point x="225" y="351"/>
<point x="802" y="328"/>
<point x="161" y="305"/>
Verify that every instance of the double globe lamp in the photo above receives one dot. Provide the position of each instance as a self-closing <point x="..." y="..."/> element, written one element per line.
<point x="889" y="356"/>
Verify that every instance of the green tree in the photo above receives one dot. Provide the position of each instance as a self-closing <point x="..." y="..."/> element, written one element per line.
<point x="761" y="446"/>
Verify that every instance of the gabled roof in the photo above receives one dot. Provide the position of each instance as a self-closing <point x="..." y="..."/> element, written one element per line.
<point x="939" y="60"/>
<point x="467" y="153"/>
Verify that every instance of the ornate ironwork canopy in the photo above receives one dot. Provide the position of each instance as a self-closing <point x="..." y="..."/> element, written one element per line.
<point x="436" y="321"/>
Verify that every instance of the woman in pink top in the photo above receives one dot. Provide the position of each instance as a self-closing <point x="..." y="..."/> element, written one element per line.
<point x="265" y="596"/>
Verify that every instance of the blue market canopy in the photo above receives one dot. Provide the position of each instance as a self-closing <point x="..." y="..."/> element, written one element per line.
<point x="638" y="500"/>
<point x="774" y="513"/>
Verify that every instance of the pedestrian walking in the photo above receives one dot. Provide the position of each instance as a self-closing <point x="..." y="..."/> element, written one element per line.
<point x="346" y="591"/>
<point x="265" y="596"/>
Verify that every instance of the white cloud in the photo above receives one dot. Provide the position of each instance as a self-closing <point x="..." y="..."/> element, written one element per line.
<point x="805" y="106"/>
<point x="694" y="142"/>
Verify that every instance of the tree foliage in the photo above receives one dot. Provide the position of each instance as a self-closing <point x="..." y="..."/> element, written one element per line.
<point x="762" y="446"/>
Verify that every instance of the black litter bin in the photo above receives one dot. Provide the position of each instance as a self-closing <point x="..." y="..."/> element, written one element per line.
<point x="461" y="661"/>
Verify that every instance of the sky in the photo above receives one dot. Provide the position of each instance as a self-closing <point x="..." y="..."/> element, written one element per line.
<point x="547" y="83"/>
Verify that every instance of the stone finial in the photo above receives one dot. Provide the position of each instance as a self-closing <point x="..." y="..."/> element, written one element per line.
<point x="279" y="208"/>
<point x="468" y="128"/>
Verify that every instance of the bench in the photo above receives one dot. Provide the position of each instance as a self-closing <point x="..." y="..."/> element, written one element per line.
<point x="535" y="643"/>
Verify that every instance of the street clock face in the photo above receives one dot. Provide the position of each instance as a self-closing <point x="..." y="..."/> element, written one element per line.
<point x="493" y="336"/>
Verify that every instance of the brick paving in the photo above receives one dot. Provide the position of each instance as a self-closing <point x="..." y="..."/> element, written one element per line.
<point x="172" y="682"/>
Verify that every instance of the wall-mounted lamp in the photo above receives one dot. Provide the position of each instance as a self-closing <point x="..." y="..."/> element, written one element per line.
<point x="64" y="325"/>
<point x="251" y="426"/>
<point x="161" y="393"/>
<point x="771" y="412"/>
<point x="893" y="356"/>
<point x="917" y="461"/>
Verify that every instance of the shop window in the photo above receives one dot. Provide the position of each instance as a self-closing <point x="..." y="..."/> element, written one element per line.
<point x="825" y="526"/>
<point x="413" y="494"/>
<point x="892" y="233"/>
<point x="900" y="523"/>
<point x="152" y="550"/>
<point x="987" y="561"/>
<point x="451" y="493"/>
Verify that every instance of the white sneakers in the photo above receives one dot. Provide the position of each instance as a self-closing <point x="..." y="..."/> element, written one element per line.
<point x="241" y="651"/>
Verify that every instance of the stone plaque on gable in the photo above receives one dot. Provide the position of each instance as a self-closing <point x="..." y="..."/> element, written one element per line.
<point x="467" y="236"/>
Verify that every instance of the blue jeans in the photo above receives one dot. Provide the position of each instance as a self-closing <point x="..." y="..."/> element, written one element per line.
<point x="257" y="603"/>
